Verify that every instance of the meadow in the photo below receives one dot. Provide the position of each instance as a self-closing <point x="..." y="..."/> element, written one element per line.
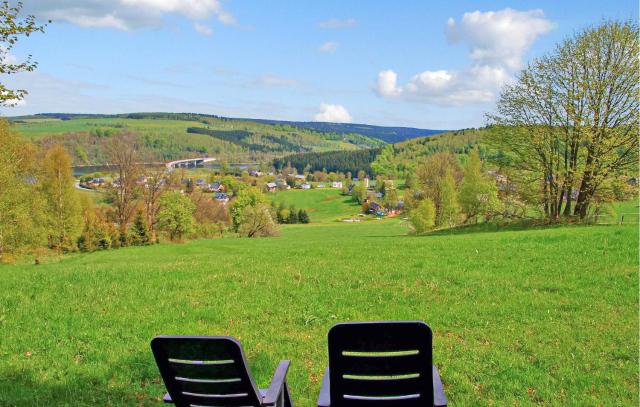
<point x="322" y="205"/>
<point x="521" y="317"/>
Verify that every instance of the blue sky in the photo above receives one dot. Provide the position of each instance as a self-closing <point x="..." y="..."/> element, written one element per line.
<point x="402" y="63"/>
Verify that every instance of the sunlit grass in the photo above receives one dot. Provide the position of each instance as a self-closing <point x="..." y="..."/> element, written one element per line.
<point x="520" y="317"/>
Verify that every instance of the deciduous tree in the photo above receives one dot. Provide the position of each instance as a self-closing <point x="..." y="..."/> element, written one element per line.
<point x="62" y="207"/>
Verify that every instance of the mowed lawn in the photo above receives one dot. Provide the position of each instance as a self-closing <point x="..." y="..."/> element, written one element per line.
<point x="545" y="316"/>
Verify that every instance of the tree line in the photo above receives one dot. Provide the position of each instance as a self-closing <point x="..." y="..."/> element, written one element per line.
<point x="330" y="161"/>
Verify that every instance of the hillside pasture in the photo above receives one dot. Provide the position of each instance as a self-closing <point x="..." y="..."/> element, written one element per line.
<point x="528" y="317"/>
<point x="323" y="205"/>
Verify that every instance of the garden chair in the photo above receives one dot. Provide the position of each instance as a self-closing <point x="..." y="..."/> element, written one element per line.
<point x="381" y="364"/>
<point x="213" y="371"/>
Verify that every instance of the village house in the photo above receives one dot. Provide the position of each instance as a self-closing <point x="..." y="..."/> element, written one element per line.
<point x="221" y="197"/>
<point x="271" y="186"/>
<point x="306" y="185"/>
<point x="336" y="184"/>
<point x="216" y="187"/>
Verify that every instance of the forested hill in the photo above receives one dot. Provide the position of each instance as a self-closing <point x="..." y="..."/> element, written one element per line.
<point x="168" y="136"/>
<point x="390" y="135"/>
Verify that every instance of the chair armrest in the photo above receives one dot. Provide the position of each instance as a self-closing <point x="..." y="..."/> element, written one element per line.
<point x="167" y="398"/>
<point x="439" y="399"/>
<point x="277" y="384"/>
<point x="324" y="399"/>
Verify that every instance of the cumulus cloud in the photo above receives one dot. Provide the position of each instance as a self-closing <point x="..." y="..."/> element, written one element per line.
<point x="497" y="40"/>
<point x="333" y="113"/>
<point x="329" y="46"/>
<point x="126" y="14"/>
<point x="203" y="29"/>
<point x="498" y="37"/>
<point x="335" y="23"/>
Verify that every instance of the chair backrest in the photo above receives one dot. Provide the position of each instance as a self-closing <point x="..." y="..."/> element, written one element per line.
<point x="205" y="371"/>
<point x="381" y="364"/>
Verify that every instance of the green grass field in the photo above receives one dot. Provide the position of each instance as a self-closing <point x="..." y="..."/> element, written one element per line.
<point x="323" y="205"/>
<point x="544" y="316"/>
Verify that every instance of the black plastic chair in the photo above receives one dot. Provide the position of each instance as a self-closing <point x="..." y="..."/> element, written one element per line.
<point x="381" y="364"/>
<point x="213" y="371"/>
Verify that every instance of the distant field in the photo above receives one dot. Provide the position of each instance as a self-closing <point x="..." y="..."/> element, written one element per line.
<point x="323" y="205"/>
<point x="544" y="316"/>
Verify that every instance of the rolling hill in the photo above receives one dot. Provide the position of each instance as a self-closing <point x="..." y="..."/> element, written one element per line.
<point x="390" y="135"/>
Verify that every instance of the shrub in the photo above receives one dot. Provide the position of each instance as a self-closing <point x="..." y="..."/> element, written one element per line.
<point x="423" y="217"/>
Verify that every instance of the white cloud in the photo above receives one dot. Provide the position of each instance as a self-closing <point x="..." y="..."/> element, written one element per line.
<point x="443" y="87"/>
<point x="333" y="113"/>
<point x="329" y="46"/>
<point x="498" y="41"/>
<point x="334" y="23"/>
<point x="126" y="14"/>
<point x="203" y="29"/>
<point x="499" y="38"/>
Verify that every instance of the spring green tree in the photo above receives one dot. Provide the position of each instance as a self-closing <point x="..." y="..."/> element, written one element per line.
<point x="569" y="122"/>
<point x="478" y="193"/>
<point x="176" y="215"/>
<point x="20" y="202"/>
<point x="63" y="214"/>
<point x="423" y="216"/>
<point x="245" y="197"/>
<point x="13" y="26"/>
<point x="449" y="206"/>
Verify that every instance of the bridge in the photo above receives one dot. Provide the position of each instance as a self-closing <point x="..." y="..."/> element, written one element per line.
<point x="189" y="162"/>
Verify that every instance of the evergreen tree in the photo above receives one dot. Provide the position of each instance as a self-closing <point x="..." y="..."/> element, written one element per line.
<point x="293" y="215"/>
<point x="140" y="235"/>
<point x="303" y="217"/>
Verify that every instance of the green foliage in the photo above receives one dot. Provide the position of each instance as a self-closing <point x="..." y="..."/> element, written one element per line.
<point x="331" y="161"/>
<point x="176" y="215"/>
<point x="478" y="193"/>
<point x="293" y="216"/>
<point x="12" y="28"/>
<point x="383" y="163"/>
<point x="139" y="233"/>
<point x="62" y="210"/>
<point x="423" y="216"/>
<point x="20" y="202"/>
<point x="359" y="193"/>
<point x="449" y="206"/>
<point x="303" y="217"/>
<point x="246" y="197"/>
<point x="257" y="221"/>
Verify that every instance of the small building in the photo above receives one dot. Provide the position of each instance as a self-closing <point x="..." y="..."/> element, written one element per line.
<point x="320" y="186"/>
<point x="255" y="173"/>
<point x="306" y="185"/>
<point x="300" y="177"/>
<point x="216" y="187"/>
<point x="200" y="182"/>
<point x="271" y="186"/>
<point x="336" y="184"/>
<point x="221" y="197"/>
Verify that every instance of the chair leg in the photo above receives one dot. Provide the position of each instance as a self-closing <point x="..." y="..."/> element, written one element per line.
<point x="287" y="398"/>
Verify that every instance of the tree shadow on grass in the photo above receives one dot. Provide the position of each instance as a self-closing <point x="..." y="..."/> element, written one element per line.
<point x="496" y="227"/>
<point x="131" y="382"/>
